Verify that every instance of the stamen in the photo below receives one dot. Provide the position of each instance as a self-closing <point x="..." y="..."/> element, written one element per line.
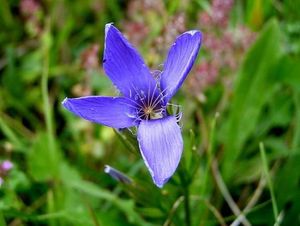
<point x="149" y="107"/>
<point x="148" y="94"/>
<point x="137" y="93"/>
<point x="133" y="102"/>
<point x="156" y="86"/>
<point x="159" y="98"/>
<point x="156" y="74"/>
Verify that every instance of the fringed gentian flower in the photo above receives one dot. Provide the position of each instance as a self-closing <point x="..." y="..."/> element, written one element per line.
<point x="144" y="99"/>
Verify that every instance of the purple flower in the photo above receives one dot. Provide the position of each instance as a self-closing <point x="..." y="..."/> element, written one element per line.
<point x="144" y="99"/>
<point x="5" y="167"/>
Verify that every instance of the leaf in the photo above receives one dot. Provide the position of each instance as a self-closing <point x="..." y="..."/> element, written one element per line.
<point x="254" y="85"/>
<point x="126" y="206"/>
<point x="288" y="71"/>
<point x="2" y="220"/>
<point x="42" y="160"/>
<point x="287" y="189"/>
<point x="73" y="180"/>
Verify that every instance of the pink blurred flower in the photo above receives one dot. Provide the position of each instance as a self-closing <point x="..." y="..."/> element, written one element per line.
<point x="29" y="7"/>
<point x="220" y="11"/>
<point x="224" y="46"/>
<point x="31" y="11"/>
<point x="137" y="31"/>
<point x="89" y="57"/>
<point x="5" y="167"/>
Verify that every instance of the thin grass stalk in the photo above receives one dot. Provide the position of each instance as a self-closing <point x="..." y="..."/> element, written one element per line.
<point x="269" y="181"/>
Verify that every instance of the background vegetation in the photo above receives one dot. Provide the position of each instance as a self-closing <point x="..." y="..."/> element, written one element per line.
<point x="241" y="121"/>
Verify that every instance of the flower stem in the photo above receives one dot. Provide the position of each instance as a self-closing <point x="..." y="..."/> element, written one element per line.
<point x="186" y="193"/>
<point x="185" y="185"/>
<point x="46" y="40"/>
<point x="44" y="83"/>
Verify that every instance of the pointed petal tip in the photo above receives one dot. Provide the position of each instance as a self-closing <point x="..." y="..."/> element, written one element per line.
<point x="196" y="33"/>
<point x="67" y="103"/>
<point x="108" y="26"/>
<point x="160" y="182"/>
<point x="193" y="32"/>
<point x="64" y="101"/>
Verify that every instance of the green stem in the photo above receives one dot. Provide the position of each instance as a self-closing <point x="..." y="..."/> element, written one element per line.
<point x="268" y="178"/>
<point x="46" y="44"/>
<point x="209" y="154"/>
<point x="187" y="206"/>
<point x="186" y="193"/>
<point x="45" y="75"/>
<point x="50" y="207"/>
<point x="185" y="186"/>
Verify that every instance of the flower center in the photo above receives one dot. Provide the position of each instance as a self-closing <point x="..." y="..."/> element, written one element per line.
<point x="150" y="113"/>
<point x="148" y="110"/>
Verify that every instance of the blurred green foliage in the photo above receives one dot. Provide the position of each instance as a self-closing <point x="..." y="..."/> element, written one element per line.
<point x="52" y="49"/>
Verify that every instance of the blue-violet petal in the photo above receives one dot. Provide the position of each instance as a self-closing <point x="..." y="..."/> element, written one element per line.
<point x="179" y="62"/>
<point x="116" y="112"/>
<point x="161" y="146"/>
<point x="124" y="65"/>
